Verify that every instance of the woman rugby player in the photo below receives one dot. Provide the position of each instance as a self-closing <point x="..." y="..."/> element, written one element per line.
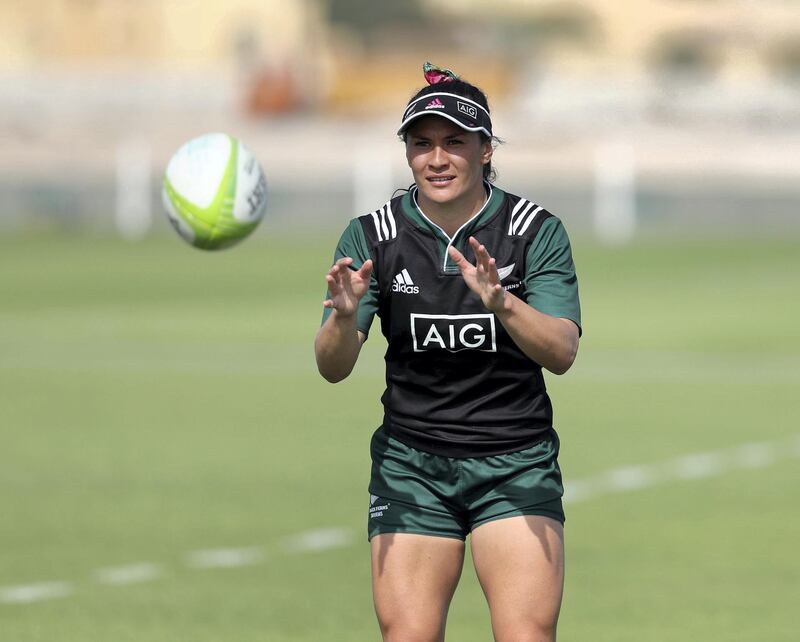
<point x="476" y="292"/>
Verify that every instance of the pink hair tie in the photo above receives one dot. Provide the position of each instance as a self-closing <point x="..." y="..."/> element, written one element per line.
<point x="434" y="74"/>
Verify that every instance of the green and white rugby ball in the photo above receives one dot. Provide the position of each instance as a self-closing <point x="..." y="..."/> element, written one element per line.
<point x="215" y="192"/>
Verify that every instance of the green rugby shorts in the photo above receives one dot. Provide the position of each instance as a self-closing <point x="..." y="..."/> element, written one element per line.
<point x="412" y="491"/>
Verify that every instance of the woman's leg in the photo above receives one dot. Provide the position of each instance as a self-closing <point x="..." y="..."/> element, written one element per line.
<point x="413" y="580"/>
<point x="520" y="565"/>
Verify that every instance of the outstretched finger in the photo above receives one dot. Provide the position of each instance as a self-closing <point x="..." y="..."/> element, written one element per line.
<point x="344" y="261"/>
<point x="494" y="277"/>
<point x="458" y="258"/>
<point x="477" y="248"/>
<point x="339" y="268"/>
<point x="484" y="258"/>
<point x="487" y="262"/>
<point x="334" y="284"/>
<point x="481" y="255"/>
<point x="365" y="271"/>
<point x="336" y="271"/>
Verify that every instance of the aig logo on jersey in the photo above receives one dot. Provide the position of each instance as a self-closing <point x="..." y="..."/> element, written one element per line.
<point x="402" y="283"/>
<point x="453" y="332"/>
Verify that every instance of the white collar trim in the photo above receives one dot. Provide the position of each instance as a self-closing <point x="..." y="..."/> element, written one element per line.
<point x="450" y="241"/>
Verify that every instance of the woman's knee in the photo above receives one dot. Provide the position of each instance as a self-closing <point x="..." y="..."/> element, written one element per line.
<point x="526" y="632"/>
<point x="411" y="627"/>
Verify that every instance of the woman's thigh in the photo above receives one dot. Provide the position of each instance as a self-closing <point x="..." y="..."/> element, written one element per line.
<point x="520" y="565"/>
<point x="413" y="580"/>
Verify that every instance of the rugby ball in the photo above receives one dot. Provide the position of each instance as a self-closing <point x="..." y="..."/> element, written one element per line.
<point x="214" y="191"/>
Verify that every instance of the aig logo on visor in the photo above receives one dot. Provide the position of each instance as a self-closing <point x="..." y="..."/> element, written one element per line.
<point x="453" y="332"/>
<point x="469" y="110"/>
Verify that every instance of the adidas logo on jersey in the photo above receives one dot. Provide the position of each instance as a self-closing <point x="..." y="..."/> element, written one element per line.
<point x="402" y="283"/>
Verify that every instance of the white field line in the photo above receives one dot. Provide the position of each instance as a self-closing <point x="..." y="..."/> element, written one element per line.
<point x="129" y="574"/>
<point x="684" y="468"/>
<point x="323" y="539"/>
<point x="28" y="593"/>
<point x="225" y="558"/>
<point x="624" y="479"/>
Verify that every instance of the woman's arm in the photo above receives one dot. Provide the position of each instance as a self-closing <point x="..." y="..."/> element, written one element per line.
<point x="338" y="341"/>
<point x="552" y="342"/>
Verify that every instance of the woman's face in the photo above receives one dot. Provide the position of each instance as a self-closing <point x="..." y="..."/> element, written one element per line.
<point x="446" y="161"/>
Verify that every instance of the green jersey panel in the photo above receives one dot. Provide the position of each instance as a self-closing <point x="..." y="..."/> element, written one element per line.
<point x="550" y="282"/>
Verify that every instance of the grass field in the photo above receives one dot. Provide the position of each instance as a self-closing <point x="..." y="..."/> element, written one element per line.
<point x="156" y="401"/>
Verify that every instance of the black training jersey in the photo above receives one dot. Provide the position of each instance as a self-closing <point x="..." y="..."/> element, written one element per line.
<point x="456" y="383"/>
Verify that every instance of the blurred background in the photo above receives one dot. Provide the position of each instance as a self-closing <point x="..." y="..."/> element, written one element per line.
<point x="674" y="113"/>
<point x="172" y="467"/>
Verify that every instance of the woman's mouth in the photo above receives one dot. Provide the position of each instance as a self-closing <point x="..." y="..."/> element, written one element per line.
<point x="440" y="180"/>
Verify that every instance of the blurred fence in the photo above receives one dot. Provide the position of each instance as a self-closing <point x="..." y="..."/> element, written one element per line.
<point x="87" y="153"/>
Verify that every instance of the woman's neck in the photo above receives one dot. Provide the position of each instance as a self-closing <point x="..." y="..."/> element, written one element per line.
<point x="450" y="216"/>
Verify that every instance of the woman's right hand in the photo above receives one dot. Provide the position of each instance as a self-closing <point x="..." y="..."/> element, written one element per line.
<point x="347" y="286"/>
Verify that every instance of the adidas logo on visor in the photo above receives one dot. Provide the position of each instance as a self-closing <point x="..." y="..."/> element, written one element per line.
<point x="435" y="104"/>
<point x="402" y="283"/>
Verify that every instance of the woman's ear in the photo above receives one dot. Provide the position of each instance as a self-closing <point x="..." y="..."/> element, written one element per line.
<point x="488" y="150"/>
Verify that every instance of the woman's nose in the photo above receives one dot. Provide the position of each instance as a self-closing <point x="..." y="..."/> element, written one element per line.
<point x="438" y="157"/>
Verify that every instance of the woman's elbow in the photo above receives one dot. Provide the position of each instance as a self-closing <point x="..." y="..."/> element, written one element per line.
<point x="561" y="367"/>
<point x="563" y="362"/>
<point x="332" y="371"/>
<point x="332" y="376"/>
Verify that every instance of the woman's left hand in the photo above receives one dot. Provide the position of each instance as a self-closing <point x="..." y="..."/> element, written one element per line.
<point x="552" y="342"/>
<point x="481" y="278"/>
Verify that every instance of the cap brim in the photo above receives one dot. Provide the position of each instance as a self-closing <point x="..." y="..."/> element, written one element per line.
<point x="407" y="122"/>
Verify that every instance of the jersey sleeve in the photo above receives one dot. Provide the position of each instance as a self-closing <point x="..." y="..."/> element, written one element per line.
<point x="551" y="285"/>
<point x="353" y="244"/>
